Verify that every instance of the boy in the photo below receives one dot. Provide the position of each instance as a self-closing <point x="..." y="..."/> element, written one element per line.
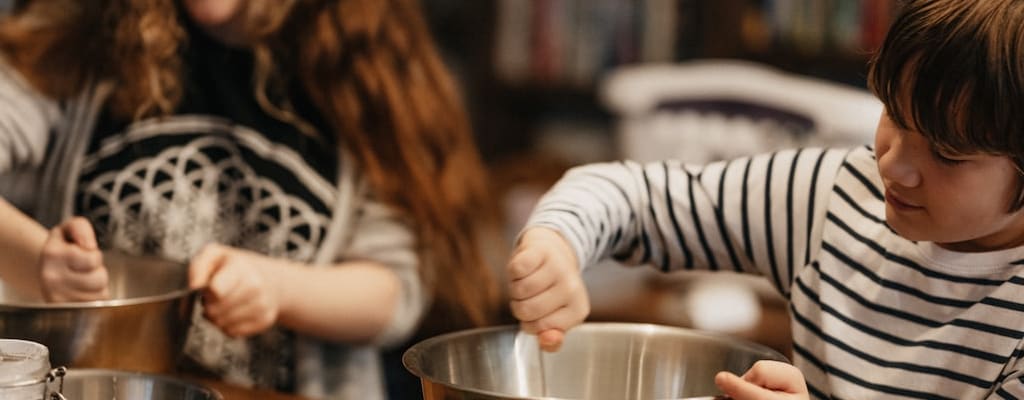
<point x="903" y="262"/>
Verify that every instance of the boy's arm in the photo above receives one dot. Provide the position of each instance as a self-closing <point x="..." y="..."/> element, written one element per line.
<point x="1011" y="385"/>
<point x="762" y="213"/>
<point x="717" y="217"/>
<point x="766" y="379"/>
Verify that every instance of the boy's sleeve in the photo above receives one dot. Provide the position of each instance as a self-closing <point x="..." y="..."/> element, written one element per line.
<point x="1010" y="388"/>
<point x="758" y="214"/>
<point x="26" y="119"/>
<point x="1011" y="385"/>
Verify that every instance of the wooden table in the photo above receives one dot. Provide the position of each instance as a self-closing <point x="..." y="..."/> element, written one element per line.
<point x="232" y="392"/>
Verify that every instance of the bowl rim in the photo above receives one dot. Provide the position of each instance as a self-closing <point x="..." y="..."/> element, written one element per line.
<point x="78" y="305"/>
<point x="103" y="372"/>
<point x="411" y="360"/>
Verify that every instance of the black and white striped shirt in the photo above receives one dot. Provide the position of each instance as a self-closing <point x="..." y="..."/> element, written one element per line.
<point x="874" y="315"/>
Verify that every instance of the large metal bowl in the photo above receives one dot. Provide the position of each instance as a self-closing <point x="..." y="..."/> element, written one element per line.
<point x="141" y="328"/>
<point x="597" y="361"/>
<point x="99" y="384"/>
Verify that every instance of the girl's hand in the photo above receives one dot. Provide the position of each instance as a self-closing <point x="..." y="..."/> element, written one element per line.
<point x="767" y="380"/>
<point x="547" y="291"/>
<point x="71" y="264"/>
<point x="241" y="293"/>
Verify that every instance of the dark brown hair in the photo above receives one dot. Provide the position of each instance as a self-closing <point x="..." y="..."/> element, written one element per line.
<point x="369" y="66"/>
<point x="954" y="71"/>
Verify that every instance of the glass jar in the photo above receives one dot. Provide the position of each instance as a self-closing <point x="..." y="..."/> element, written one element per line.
<point x="24" y="370"/>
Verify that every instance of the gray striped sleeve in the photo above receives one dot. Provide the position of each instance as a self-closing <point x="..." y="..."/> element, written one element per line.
<point x="759" y="214"/>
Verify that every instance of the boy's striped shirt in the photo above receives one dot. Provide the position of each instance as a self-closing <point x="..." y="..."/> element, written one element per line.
<point x="873" y="314"/>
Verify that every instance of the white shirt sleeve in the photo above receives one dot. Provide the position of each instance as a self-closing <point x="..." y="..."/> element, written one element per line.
<point x="759" y="214"/>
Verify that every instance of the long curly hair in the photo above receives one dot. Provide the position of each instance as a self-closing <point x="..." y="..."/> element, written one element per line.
<point x="369" y="66"/>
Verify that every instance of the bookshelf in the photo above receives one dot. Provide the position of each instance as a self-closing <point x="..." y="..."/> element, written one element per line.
<point x="526" y="63"/>
<point x="570" y="43"/>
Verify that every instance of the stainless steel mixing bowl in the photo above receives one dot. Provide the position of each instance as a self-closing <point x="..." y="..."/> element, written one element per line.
<point x="99" y="384"/>
<point x="141" y="328"/>
<point x="597" y="361"/>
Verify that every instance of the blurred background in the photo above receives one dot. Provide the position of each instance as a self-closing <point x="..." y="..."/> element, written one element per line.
<point x="555" y="83"/>
<point x="534" y="68"/>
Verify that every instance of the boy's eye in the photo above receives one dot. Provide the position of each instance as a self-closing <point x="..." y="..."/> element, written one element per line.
<point x="950" y="160"/>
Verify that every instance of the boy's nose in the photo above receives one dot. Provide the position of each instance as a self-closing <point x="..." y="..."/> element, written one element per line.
<point x="897" y="166"/>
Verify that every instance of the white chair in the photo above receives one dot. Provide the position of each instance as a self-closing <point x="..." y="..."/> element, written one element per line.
<point x="701" y="111"/>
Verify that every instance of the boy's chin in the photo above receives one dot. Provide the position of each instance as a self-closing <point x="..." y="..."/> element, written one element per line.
<point x="909" y="233"/>
<point x="924" y="235"/>
<point x="912" y="229"/>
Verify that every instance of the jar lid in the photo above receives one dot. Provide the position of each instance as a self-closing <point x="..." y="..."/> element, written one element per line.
<point x="22" y="361"/>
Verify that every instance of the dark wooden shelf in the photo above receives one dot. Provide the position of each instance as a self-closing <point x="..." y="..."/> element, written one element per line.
<point x="843" y="67"/>
<point x="507" y="115"/>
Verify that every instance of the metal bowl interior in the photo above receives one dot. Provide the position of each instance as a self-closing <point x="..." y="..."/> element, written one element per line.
<point x="597" y="361"/>
<point x="140" y="328"/>
<point x="133" y="279"/>
<point x="100" y="384"/>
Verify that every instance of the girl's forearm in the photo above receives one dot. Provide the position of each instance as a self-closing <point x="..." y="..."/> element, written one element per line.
<point x="351" y="302"/>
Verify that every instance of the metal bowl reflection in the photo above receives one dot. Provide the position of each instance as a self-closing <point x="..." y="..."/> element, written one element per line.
<point x="142" y="327"/>
<point x="597" y="361"/>
<point x="99" y="384"/>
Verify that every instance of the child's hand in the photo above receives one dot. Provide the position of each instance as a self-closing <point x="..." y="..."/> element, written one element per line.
<point x="547" y="292"/>
<point x="765" y="380"/>
<point x="71" y="264"/>
<point x="241" y="295"/>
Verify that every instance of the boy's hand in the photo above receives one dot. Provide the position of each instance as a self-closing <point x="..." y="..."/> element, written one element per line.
<point x="71" y="264"/>
<point x="241" y="294"/>
<point x="766" y="380"/>
<point x="548" y="295"/>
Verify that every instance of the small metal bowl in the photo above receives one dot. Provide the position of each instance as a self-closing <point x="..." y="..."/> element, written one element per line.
<point x="101" y="384"/>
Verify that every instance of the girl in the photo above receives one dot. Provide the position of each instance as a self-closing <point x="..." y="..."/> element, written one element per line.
<point x="312" y="159"/>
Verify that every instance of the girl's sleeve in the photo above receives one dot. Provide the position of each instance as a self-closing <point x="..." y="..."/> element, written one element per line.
<point x="381" y="235"/>
<point x="761" y="214"/>
<point x="26" y="119"/>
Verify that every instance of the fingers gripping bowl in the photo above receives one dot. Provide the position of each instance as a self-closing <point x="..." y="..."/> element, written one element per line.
<point x="141" y="328"/>
<point x="597" y="361"/>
